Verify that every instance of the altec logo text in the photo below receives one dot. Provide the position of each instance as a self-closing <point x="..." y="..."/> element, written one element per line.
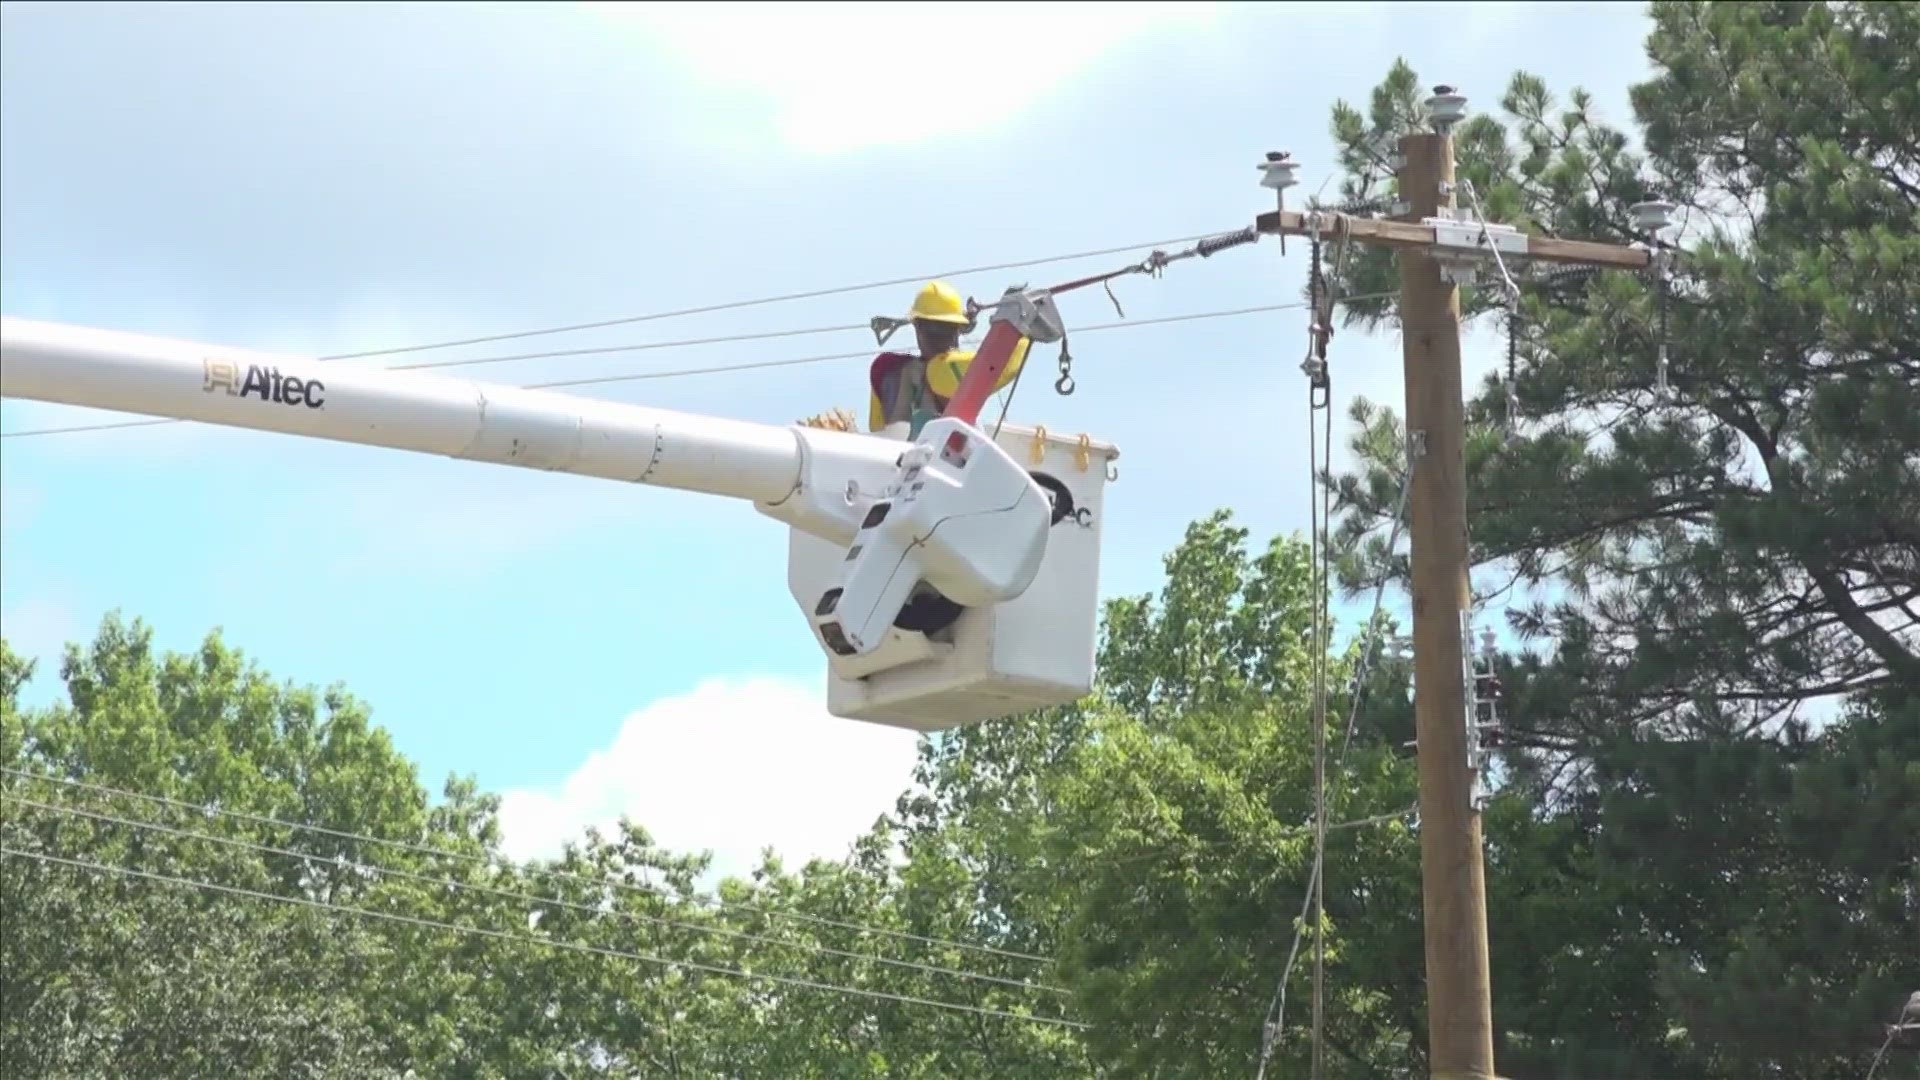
<point x="265" y="383"/>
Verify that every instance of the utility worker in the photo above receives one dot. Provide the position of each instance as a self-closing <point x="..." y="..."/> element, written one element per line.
<point x="909" y="389"/>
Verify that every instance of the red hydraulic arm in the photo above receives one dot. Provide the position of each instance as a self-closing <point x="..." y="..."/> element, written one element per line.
<point x="989" y="360"/>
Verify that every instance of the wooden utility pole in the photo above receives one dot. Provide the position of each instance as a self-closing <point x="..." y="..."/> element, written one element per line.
<point x="1454" y="889"/>
<point x="1438" y="248"/>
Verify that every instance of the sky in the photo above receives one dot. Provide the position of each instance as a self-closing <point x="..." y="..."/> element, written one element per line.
<point x="320" y="179"/>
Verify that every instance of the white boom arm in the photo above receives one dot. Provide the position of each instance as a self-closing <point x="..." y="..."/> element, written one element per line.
<point x="428" y="414"/>
<point x="953" y="513"/>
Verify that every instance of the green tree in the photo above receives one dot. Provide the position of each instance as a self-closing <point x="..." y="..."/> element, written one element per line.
<point x="1725" y="553"/>
<point x="1152" y="840"/>
<point x="1698" y="573"/>
<point x="1687" y="875"/>
<point x="135" y="975"/>
<point x="379" y="932"/>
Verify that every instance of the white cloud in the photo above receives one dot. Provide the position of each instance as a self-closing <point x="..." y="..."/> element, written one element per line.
<point x="732" y="767"/>
<point x="841" y="77"/>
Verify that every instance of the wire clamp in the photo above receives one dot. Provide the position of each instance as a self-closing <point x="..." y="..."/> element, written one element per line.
<point x="1319" y="303"/>
<point x="1033" y="313"/>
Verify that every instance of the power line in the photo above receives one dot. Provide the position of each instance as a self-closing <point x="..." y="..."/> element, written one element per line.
<point x="596" y="380"/>
<point x="508" y="894"/>
<point x="736" y="305"/>
<point x="570" y="946"/>
<point x="423" y="849"/>
<point x="724" y="339"/>
<point x="598" y="350"/>
<point x="717" y="369"/>
<point x="1277" y="1008"/>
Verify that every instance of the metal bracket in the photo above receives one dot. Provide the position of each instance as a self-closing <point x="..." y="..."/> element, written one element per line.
<point x="1476" y="751"/>
<point x="1462" y="247"/>
<point x="1472" y="237"/>
<point x="1471" y="695"/>
<point x="1482" y="714"/>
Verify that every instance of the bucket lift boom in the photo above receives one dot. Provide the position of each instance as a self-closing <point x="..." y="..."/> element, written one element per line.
<point x="942" y="579"/>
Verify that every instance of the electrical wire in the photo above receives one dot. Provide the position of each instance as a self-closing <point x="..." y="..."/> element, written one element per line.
<point x="736" y="305"/>
<point x="1322" y="601"/>
<point x="556" y="354"/>
<point x="1486" y="239"/>
<point x="1893" y="1030"/>
<point x="508" y="894"/>
<point x="1322" y="297"/>
<point x="569" y="946"/>
<point x="1907" y="1021"/>
<point x="718" y="369"/>
<point x="423" y="849"/>
<point x="1320" y="511"/>
<point x="1277" y="1009"/>
<point x="1512" y="290"/>
<point x="657" y="316"/>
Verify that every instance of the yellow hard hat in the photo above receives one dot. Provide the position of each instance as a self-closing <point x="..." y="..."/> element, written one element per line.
<point x="938" y="302"/>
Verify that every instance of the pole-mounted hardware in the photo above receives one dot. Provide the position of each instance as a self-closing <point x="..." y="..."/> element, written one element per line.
<point x="1445" y="109"/>
<point x="1651" y="218"/>
<point x="1482" y="714"/>
<point x="1279" y="172"/>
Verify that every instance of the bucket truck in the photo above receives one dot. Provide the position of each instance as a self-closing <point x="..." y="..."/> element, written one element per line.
<point x="948" y="580"/>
